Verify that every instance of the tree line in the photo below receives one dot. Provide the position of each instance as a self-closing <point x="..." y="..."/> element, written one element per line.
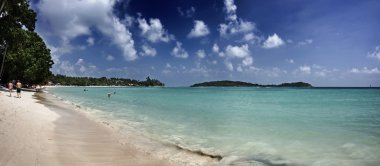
<point x="103" y="81"/>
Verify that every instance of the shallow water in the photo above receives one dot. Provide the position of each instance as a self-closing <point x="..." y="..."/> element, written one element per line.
<point x="277" y="126"/>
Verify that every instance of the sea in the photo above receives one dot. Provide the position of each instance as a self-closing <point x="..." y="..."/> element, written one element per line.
<point x="275" y="126"/>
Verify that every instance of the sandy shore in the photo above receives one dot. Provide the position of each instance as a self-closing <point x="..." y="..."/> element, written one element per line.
<point x="32" y="133"/>
<point x="39" y="129"/>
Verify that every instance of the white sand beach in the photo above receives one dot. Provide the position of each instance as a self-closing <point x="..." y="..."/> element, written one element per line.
<point x="33" y="134"/>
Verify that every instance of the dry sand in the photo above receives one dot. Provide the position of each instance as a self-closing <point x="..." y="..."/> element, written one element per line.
<point x="32" y="133"/>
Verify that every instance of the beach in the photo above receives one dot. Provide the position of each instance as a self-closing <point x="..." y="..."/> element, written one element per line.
<point x="32" y="133"/>
<point x="174" y="126"/>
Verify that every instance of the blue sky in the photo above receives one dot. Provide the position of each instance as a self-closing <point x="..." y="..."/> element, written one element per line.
<point x="325" y="43"/>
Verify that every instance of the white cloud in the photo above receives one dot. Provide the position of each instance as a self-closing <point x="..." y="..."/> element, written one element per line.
<point x="247" y="61"/>
<point x="168" y="65"/>
<point x="305" y="69"/>
<point x="58" y="23"/>
<point x="200" y="29"/>
<point x="307" y="41"/>
<point x="233" y="24"/>
<point x="179" y="52"/>
<point x="90" y="41"/>
<point x="153" y="31"/>
<point x="85" y="67"/>
<point x="148" y="51"/>
<point x="235" y="27"/>
<point x="231" y="9"/>
<point x="122" y="37"/>
<point x="79" y="62"/>
<point x="201" y="54"/>
<point x="273" y="41"/>
<point x="238" y="52"/>
<point x="365" y="70"/>
<point x="250" y="37"/>
<point x="375" y="54"/>
<point x="215" y="48"/>
<point x="110" y="57"/>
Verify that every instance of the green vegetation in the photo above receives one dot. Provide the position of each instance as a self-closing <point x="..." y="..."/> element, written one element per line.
<point x="103" y="81"/>
<point x="227" y="83"/>
<point x="23" y="54"/>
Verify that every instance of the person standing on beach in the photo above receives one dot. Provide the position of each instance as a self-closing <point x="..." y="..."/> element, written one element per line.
<point x="18" y="88"/>
<point x="10" y="88"/>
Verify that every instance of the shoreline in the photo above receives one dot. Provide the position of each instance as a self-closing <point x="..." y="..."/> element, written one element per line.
<point x="48" y="131"/>
<point x="172" y="153"/>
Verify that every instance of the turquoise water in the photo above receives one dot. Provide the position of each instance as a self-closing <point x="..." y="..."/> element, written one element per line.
<point x="277" y="126"/>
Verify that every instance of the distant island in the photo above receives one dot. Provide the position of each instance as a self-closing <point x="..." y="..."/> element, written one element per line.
<point x="102" y="81"/>
<point x="227" y="83"/>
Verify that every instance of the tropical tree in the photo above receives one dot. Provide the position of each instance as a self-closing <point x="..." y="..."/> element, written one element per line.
<point x="23" y="53"/>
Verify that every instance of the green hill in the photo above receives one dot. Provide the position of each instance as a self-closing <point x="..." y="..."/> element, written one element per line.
<point x="227" y="83"/>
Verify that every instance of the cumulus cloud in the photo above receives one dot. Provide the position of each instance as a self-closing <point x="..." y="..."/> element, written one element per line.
<point x="305" y="69"/>
<point x="148" y="51"/>
<point x="273" y="41"/>
<point x="375" y="54"/>
<point x="200" y="29"/>
<point x="365" y="70"/>
<point x="153" y="31"/>
<point x="56" y="22"/>
<point x="234" y="25"/>
<point x="237" y="52"/>
<point x="122" y="37"/>
<point x="201" y="54"/>
<point x="215" y="48"/>
<point x="230" y="9"/>
<point x="179" y="52"/>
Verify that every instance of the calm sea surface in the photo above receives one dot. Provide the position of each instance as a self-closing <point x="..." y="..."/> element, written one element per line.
<point x="278" y="126"/>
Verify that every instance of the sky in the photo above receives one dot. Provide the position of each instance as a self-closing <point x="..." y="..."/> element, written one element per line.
<point x="182" y="42"/>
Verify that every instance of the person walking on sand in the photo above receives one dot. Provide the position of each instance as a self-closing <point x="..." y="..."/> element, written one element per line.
<point x="18" y="88"/>
<point x="10" y="88"/>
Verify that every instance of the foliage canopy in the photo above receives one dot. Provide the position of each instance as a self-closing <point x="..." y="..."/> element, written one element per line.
<point x="23" y="52"/>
